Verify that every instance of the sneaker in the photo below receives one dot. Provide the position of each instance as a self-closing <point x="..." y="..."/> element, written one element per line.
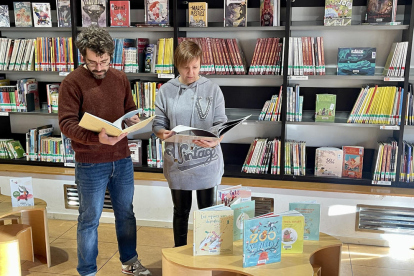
<point x="136" y="269"/>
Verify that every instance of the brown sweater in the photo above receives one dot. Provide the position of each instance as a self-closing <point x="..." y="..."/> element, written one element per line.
<point x="108" y="98"/>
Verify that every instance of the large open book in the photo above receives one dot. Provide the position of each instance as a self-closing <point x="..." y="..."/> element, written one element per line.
<point x="96" y="124"/>
<point x="212" y="134"/>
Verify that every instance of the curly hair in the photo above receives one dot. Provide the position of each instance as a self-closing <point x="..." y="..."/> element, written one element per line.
<point x="95" y="39"/>
<point x="186" y="52"/>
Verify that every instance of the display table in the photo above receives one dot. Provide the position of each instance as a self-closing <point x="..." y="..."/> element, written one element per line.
<point x="325" y="253"/>
<point x="36" y="217"/>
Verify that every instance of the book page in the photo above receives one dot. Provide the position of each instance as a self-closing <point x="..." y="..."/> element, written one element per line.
<point x="188" y="139"/>
<point x="138" y="126"/>
<point x="118" y="123"/>
<point x="96" y="124"/>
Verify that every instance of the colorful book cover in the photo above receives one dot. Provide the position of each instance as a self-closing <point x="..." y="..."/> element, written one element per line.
<point x="266" y="12"/>
<point x="93" y="13"/>
<point x="21" y="191"/>
<point x="338" y="12"/>
<point x="68" y="152"/>
<point x="293" y="224"/>
<point x="63" y="13"/>
<point x="356" y="61"/>
<point x="262" y="240"/>
<point x="311" y="210"/>
<point x="120" y="14"/>
<point x="157" y="12"/>
<point x="242" y="211"/>
<point x="229" y="195"/>
<point x="42" y="16"/>
<point x="197" y="14"/>
<point x="353" y="161"/>
<point x="379" y="11"/>
<point x="325" y="108"/>
<point x="328" y="162"/>
<point x="22" y="14"/>
<point x="213" y="231"/>
<point x="4" y="16"/>
<point x="235" y="13"/>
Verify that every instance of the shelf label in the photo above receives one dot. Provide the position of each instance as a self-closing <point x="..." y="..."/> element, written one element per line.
<point x="69" y="165"/>
<point x="63" y="74"/>
<point x="297" y="77"/>
<point x="166" y="76"/>
<point x="4" y="114"/>
<point x="390" y="127"/>
<point x="393" y="79"/>
<point x="377" y="182"/>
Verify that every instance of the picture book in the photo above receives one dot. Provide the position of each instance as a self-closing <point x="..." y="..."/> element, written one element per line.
<point x="120" y="14"/>
<point x="242" y="211"/>
<point x="353" y="161"/>
<point x="262" y="238"/>
<point x="21" y="191"/>
<point x="197" y="14"/>
<point x="150" y="58"/>
<point x="338" y="12"/>
<point x="229" y="195"/>
<point x="93" y="13"/>
<point x="311" y="211"/>
<point x="11" y="149"/>
<point x="68" y="152"/>
<point x="325" y="108"/>
<point x="235" y="13"/>
<point x="269" y="12"/>
<point x="328" y="162"/>
<point x="4" y="16"/>
<point x="157" y="12"/>
<point x="135" y="147"/>
<point x="22" y="14"/>
<point x="212" y="134"/>
<point x="356" y="61"/>
<point x="63" y="13"/>
<point x="381" y="11"/>
<point x="293" y="224"/>
<point x="213" y="231"/>
<point x="141" y="45"/>
<point x="52" y="93"/>
<point x="42" y="16"/>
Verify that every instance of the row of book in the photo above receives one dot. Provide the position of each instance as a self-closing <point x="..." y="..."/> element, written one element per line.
<point x="268" y="57"/>
<point x="11" y="149"/>
<point x="395" y="64"/>
<point x="386" y="165"/>
<point x="155" y="150"/>
<point x="306" y="56"/>
<point x="407" y="166"/>
<point x="165" y="56"/>
<point x="22" y="97"/>
<point x="409" y="115"/>
<point x="295" y="157"/>
<point x="144" y="94"/>
<point x="294" y="104"/>
<point x="271" y="109"/>
<point x="263" y="154"/>
<point x="335" y="162"/>
<point x="220" y="56"/>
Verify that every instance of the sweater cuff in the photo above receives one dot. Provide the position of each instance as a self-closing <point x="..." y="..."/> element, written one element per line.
<point x="156" y="129"/>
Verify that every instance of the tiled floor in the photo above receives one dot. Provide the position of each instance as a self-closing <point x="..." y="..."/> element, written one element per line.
<point x="357" y="260"/>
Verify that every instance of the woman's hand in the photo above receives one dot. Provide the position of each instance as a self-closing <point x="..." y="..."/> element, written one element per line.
<point x="132" y="120"/>
<point x="165" y="134"/>
<point x="206" y="144"/>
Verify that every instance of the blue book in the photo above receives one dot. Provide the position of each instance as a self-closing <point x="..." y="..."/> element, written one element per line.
<point x="356" y="61"/>
<point x="262" y="237"/>
<point x="242" y="211"/>
<point x="311" y="210"/>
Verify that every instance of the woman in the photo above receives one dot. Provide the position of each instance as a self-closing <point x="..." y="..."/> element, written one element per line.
<point x="190" y="100"/>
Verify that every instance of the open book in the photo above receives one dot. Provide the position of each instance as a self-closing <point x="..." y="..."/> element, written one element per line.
<point x="212" y="134"/>
<point x="96" y="124"/>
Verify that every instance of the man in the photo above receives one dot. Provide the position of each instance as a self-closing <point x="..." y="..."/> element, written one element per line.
<point x="102" y="162"/>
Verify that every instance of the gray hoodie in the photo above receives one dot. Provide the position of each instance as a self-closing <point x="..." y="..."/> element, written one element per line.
<point x="200" y="105"/>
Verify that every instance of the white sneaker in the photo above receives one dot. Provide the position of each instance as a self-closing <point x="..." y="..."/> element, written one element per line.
<point x="136" y="269"/>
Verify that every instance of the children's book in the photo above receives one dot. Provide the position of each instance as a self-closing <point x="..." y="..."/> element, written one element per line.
<point x="328" y="162"/>
<point x="63" y="13"/>
<point x="135" y="147"/>
<point x="262" y="238"/>
<point x="338" y="12"/>
<point x="293" y="224"/>
<point x="235" y="13"/>
<point x="68" y="152"/>
<point x="242" y="211"/>
<point x="229" y="195"/>
<point x="120" y="14"/>
<point x="4" y="16"/>
<point x="325" y="108"/>
<point x="311" y="210"/>
<point x="96" y="124"/>
<point x="42" y="16"/>
<point x="269" y="12"/>
<point x="213" y="231"/>
<point x="381" y="11"/>
<point x="22" y="14"/>
<point x="212" y="134"/>
<point x="21" y="191"/>
<point x="356" y="61"/>
<point x="197" y="14"/>
<point x="353" y="161"/>
<point x="93" y="13"/>
<point x="157" y="12"/>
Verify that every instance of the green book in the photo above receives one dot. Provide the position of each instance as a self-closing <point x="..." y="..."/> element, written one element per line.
<point x="325" y="108"/>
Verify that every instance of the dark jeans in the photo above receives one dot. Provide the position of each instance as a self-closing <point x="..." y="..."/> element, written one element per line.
<point x="182" y="206"/>
<point x="92" y="180"/>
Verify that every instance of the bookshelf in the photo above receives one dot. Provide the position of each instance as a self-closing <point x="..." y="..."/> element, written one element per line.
<point x="246" y="94"/>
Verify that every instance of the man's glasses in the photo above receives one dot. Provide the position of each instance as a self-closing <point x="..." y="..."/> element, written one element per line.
<point x="94" y="64"/>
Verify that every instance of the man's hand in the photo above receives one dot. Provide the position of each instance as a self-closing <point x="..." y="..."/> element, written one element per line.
<point x="132" y="121"/>
<point x="105" y="139"/>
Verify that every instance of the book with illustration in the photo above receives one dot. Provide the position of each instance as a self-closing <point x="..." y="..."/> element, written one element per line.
<point x="21" y="191"/>
<point x="328" y="162"/>
<point x="42" y="16"/>
<point x="243" y="210"/>
<point x="157" y="12"/>
<point x="293" y="224"/>
<point x="96" y="124"/>
<point x="353" y="161"/>
<point x="94" y="13"/>
<point x="229" y="195"/>
<point x="63" y="13"/>
<point x="120" y="14"/>
<point x="311" y="211"/>
<point x="197" y="14"/>
<point x="325" y="108"/>
<point x="338" y="12"/>
<point x="235" y="13"/>
<point x="4" y="16"/>
<point x="356" y="61"/>
<point x="213" y="231"/>
<point x="22" y="14"/>
<point x="381" y="11"/>
<point x="262" y="238"/>
<point x="269" y="12"/>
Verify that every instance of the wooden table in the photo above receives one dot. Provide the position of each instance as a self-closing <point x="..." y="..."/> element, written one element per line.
<point x="36" y="217"/>
<point x="325" y="253"/>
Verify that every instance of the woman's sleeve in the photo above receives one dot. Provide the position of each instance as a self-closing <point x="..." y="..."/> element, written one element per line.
<point x="161" y="120"/>
<point x="219" y="108"/>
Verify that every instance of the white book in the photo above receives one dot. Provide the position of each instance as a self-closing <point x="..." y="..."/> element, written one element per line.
<point x="30" y="65"/>
<point x="21" y="52"/>
<point x="3" y="45"/>
<point x="21" y="191"/>
<point x="14" y="54"/>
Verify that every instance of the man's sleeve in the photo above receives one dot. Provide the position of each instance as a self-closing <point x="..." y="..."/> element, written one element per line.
<point x="68" y="111"/>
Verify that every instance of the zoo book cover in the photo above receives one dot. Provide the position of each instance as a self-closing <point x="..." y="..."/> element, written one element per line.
<point x="94" y="13"/>
<point x="311" y="211"/>
<point x="356" y="61"/>
<point x="21" y="191"/>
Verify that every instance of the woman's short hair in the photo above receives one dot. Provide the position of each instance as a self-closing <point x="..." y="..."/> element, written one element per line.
<point x="186" y="52"/>
<point x="97" y="40"/>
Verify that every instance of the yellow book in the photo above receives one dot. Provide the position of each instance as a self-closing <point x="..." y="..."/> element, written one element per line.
<point x="388" y="110"/>
<point x="160" y="60"/>
<point x="376" y="106"/>
<point x="197" y="14"/>
<point x="377" y="172"/>
<point x="154" y="89"/>
<point x="167" y="65"/>
<point x="293" y="224"/>
<point x="71" y="64"/>
<point x="365" y="106"/>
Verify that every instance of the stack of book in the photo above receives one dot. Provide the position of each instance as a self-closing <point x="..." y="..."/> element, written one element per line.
<point x="295" y="157"/>
<point x="395" y="65"/>
<point x="165" y="56"/>
<point x="267" y="57"/>
<point x="143" y="94"/>
<point x="22" y="97"/>
<point x="386" y="161"/>
<point x="306" y="56"/>
<point x="271" y="108"/>
<point x="53" y="54"/>
<point x="409" y="117"/>
<point x="263" y="153"/>
<point x="407" y="172"/>
<point x="155" y="151"/>
<point x="220" y="56"/>
<point x="378" y="105"/>
<point x="11" y="149"/>
<point x="51" y="149"/>
<point x="34" y="146"/>
<point x="294" y="105"/>
<point x="67" y="151"/>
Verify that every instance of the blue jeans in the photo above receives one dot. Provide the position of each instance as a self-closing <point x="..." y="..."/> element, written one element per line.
<point x="93" y="180"/>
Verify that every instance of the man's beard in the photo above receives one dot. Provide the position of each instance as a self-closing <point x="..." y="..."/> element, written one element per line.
<point x="99" y="77"/>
